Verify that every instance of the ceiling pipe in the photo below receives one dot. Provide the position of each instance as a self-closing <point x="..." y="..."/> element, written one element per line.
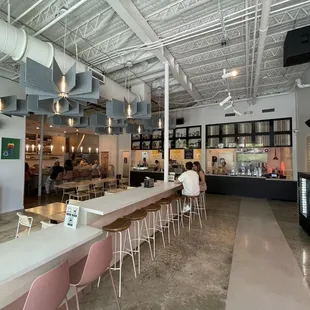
<point x="16" y="43"/>
<point x="247" y="49"/>
<point x="261" y="44"/>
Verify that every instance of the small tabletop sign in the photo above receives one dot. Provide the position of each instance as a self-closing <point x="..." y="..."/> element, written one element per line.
<point x="189" y="154"/>
<point x="72" y="216"/>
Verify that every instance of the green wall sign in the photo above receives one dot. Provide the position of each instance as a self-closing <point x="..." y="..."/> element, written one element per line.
<point x="10" y="148"/>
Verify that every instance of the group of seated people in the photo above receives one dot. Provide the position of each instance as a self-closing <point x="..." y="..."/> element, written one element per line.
<point x="68" y="166"/>
<point x="193" y="181"/>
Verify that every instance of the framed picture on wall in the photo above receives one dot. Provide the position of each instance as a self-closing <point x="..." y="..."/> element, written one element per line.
<point x="10" y="148"/>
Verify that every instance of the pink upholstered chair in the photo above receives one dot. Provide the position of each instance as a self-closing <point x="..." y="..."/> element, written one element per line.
<point x="47" y="291"/>
<point x="92" y="267"/>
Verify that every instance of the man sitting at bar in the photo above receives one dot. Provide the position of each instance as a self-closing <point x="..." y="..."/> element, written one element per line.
<point x="190" y="181"/>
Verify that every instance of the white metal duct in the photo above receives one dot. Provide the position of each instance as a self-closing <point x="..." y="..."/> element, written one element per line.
<point x="17" y="44"/>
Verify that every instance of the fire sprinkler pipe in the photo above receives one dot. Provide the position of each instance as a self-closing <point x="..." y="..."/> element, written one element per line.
<point x="16" y="43"/>
<point x="261" y="44"/>
<point x="299" y="85"/>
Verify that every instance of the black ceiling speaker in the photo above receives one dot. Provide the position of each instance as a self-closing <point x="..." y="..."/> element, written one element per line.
<point x="297" y="47"/>
<point x="308" y="122"/>
<point x="180" y="121"/>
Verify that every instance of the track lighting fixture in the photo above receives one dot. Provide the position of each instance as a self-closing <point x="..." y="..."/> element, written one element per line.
<point x="227" y="75"/>
<point x="225" y="100"/>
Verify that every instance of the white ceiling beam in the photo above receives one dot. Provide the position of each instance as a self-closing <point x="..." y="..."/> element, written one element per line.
<point x="130" y="14"/>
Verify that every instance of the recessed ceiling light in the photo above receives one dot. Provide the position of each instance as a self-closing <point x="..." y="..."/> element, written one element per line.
<point x="38" y="128"/>
<point x="77" y="130"/>
<point x="65" y="132"/>
<point x="51" y="126"/>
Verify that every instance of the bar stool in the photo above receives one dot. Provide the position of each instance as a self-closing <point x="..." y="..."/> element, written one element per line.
<point x="202" y="203"/>
<point x="193" y="202"/>
<point x="176" y="217"/>
<point x="155" y="210"/>
<point x="166" y="202"/>
<point x="138" y="218"/>
<point x="118" y="227"/>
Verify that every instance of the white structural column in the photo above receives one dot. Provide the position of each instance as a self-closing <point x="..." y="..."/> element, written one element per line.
<point x="203" y="149"/>
<point x="41" y="157"/>
<point x="166" y="125"/>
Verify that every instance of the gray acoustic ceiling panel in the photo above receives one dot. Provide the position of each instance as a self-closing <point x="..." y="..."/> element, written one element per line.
<point x="8" y="104"/>
<point x="109" y="131"/>
<point x="133" y="105"/>
<point x="133" y="128"/>
<point x="98" y="120"/>
<point x="58" y="121"/>
<point x="151" y="123"/>
<point x="144" y="110"/>
<point x="82" y="122"/>
<point x="75" y="109"/>
<point x="54" y="84"/>
<point x="115" y="109"/>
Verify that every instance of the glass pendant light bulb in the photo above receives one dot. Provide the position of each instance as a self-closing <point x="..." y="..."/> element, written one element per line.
<point x="70" y="122"/>
<point x="159" y="123"/>
<point x="27" y="147"/>
<point x="63" y="149"/>
<point x="129" y="112"/>
<point x="63" y="86"/>
<point x="57" y="108"/>
<point x="32" y="147"/>
<point x="109" y="122"/>
<point x="89" y="150"/>
<point x="139" y="129"/>
<point x="81" y="148"/>
<point x="97" y="150"/>
<point x="52" y="146"/>
<point x="109" y="130"/>
<point x="72" y="148"/>
<point x="39" y="147"/>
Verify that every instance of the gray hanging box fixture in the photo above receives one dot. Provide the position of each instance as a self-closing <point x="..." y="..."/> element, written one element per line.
<point x="8" y="104"/>
<point x="82" y="122"/>
<point x="58" y="121"/>
<point x="54" y="84"/>
<point x="117" y="109"/>
<point x="101" y="120"/>
<point x="109" y="131"/>
<point x="11" y="106"/>
<point x="133" y="128"/>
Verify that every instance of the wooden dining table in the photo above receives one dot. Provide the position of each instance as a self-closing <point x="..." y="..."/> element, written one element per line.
<point x="54" y="211"/>
<point x="69" y="185"/>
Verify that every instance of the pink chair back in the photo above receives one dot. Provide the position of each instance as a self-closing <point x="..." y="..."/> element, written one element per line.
<point x="98" y="261"/>
<point x="49" y="290"/>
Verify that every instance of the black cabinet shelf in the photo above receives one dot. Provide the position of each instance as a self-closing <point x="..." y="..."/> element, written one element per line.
<point x="281" y="138"/>
<point x="136" y="144"/>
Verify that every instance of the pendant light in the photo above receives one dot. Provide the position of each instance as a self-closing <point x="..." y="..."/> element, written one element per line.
<point x="62" y="149"/>
<point x="129" y="109"/>
<point x="57" y="108"/>
<point x="81" y="148"/>
<point x="52" y="146"/>
<point x="275" y="154"/>
<point x="71" y="122"/>
<point x="109" y="130"/>
<point x="139" y="129"/>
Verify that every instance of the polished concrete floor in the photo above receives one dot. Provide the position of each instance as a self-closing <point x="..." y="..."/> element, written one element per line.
<point x="195" y="270"/>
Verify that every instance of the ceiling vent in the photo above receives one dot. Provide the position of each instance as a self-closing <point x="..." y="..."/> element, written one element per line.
<point x="230" y="114"/>
<point x="97" y="76"/>
<point x="268" y="110"/>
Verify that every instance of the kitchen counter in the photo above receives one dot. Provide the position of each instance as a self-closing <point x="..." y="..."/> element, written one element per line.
<point x="255" y="187"/>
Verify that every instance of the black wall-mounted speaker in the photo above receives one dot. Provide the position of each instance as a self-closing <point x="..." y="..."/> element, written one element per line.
<point x="297" y="47"/>
<point x="180" y="121"/>
<point x="308" y="122"/>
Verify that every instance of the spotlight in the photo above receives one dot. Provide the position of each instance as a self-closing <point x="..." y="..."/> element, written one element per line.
<point x="225" y="100"/>
<point x="227" y="75"/>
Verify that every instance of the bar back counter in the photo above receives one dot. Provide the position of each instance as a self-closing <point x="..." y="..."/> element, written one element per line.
<point x="254" y="187"/>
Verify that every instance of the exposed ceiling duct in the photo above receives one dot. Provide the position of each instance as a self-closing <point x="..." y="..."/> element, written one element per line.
<point x="263" y="29"/>
<point x="17" y="44"/>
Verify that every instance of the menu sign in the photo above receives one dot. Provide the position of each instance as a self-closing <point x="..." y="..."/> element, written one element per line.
<point x="189" y="154"/>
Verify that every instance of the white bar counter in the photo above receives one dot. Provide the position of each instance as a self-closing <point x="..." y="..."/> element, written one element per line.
<point x="24" y="259"/>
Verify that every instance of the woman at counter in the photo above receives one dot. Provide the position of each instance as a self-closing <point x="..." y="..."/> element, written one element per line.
<point x="202" y="177"/>
<point x="157" y="165"/>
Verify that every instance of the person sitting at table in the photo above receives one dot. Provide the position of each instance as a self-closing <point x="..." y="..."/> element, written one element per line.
<point x="144" y="163"/>
<point x="157" y="165"/>
<point x="55" y="170"/>
<point x="190" y="181"/>
<point x="68" y="165"/>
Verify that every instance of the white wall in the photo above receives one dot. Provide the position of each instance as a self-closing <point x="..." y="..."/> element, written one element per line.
<point x="12" y="171"/>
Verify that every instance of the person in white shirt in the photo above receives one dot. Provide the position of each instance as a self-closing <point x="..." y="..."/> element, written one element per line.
<point x="190" y="181"/>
